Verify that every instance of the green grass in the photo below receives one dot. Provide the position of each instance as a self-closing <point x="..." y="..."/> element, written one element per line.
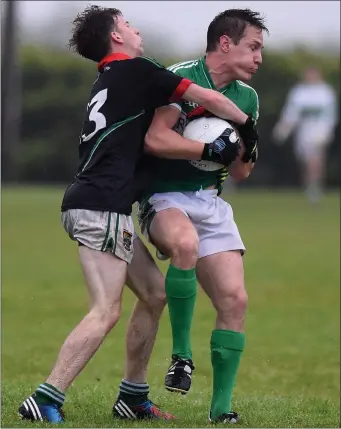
<point x="290" y="371"/>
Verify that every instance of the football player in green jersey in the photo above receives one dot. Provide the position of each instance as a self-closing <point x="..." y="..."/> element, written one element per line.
<point x="186" y="220"/>
<point x="127" y="87"/>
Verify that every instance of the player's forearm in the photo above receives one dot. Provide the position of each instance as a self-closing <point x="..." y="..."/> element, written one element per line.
<point x="215" y="103"/>
<point x="166" y="143"/>
<point x="240" y="170"/>
<point x="290" y="116"/>
<point x="282" y="130"/>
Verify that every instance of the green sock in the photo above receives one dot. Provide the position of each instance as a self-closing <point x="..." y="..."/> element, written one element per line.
<point x="226" y="350"/>
<point x="46" y="394"/>
<point x="181" y="291"/>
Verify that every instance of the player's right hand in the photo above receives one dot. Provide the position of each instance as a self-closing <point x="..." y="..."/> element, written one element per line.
<point x="224" y="149"/>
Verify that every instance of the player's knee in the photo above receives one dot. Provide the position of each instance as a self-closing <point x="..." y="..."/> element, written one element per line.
<point x="238" y="300"/>
<point x="110" y="319"/>
<point x="233" y="302"/>
<point x="106" y="317"/>
<point x="155" y="300"/>
<point x="156" y="305"/>
<point x="150" y="290"/>
<point x="158" y="301"/>
<point x="241" y="300"/>
<point x="185" y="250"/>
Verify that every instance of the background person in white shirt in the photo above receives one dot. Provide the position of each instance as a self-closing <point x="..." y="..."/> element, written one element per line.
<point x="310" y="111"/>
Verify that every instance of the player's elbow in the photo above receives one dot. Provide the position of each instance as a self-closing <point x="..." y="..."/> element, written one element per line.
<point x="241" y="175"/>
<point x="240" y="171"/>
<point x="151" y="143"/>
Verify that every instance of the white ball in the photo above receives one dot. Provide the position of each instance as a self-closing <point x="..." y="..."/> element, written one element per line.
<point x="206" y="130"/>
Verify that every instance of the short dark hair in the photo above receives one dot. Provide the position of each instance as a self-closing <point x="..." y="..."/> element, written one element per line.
<point x="232" y="23"/>
<point x="91" y="32"/>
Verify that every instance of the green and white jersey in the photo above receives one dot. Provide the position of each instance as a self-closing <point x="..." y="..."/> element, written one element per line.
<point x="181" y="175"/>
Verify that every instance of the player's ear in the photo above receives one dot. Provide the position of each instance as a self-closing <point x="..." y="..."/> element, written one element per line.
<point x="116" y="37"/>
<point x="225" y="43"/>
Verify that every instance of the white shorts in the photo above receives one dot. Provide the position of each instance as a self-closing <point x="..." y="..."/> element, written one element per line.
<point x="101" y="230"/>
<point x="312" y="143"/>
<point x="211" y="216"/>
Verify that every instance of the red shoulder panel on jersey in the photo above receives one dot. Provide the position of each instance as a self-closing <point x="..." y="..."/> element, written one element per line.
<point x="180" y="90"/>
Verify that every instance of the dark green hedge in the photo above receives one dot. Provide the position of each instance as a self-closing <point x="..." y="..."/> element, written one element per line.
<point x="55" y="88"/>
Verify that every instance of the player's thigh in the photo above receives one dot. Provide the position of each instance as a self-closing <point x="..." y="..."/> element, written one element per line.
<point x="144" y="277"/>
<point x="318" y="155"/>
<point x="219" y="232"/>
<point x="164" y="221"/>
<point x="105" y="248"/>
<point x="303" y="151"/>
<point x="171" y="229"/>
<point x="220" y="265"/>
<point x="311" y="148"/>
<point x="105" y="275"/>
<point x="221" y="276"/>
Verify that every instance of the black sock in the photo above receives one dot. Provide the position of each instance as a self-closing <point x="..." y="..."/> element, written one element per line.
<point x="46" y="394"/>
<point x="133" y="393"/>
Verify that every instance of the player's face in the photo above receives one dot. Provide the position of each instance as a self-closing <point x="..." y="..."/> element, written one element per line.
<point x="312" y="75"/>
<point x="245" y="58"/>
<point x="128" y="36"/>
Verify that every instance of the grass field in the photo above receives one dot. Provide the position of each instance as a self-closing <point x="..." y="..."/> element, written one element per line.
<point x="290" y="372"/>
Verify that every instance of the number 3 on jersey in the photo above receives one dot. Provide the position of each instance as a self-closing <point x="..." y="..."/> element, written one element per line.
<point x="95" y="116"/>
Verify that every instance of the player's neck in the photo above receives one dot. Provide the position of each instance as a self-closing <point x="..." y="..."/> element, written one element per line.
<point x="218" y="69"/>
<point x="125" y="51"/>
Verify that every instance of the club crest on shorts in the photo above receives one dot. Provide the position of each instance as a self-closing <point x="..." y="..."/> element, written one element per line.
<point x="127" y="236"/>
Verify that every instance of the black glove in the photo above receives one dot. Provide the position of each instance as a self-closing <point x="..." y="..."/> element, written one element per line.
<point x="224" y="149"/>
<point x="254" y="155"/>
<point x="248" y="133"/>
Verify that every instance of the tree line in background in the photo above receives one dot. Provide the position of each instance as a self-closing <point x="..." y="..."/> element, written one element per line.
<point x="55" y="87"/>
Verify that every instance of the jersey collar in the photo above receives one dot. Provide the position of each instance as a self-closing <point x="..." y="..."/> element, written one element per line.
<point x="208" y="76"/>
<point x="113" y="57"/>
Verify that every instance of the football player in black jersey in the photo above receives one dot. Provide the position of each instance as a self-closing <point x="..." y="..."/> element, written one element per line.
<point x="96" y="208"/>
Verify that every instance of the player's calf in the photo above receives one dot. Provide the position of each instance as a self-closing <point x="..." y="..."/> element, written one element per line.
<point x="222" y="277"/>
<point x="173" y="233"/>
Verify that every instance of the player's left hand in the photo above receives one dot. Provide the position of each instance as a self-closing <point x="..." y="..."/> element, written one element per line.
<point x="249" y="134"/>
<point x="251" y="156"/>
<point x="224" y="150"/>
